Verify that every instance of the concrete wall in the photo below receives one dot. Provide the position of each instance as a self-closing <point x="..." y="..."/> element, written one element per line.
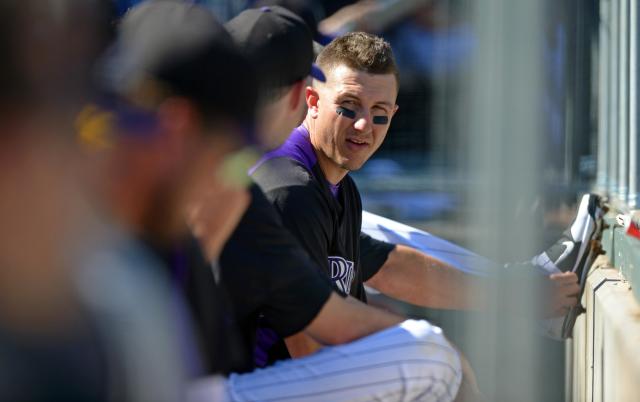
<point x="603" y="359"/>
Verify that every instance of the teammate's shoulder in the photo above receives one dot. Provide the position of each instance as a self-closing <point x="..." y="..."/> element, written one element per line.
<point x="290" y="186"/>
<point x="281" y="172"/>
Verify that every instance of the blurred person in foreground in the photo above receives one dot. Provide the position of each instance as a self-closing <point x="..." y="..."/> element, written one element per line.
<point x="83" y="314"/>
<point x="155" y="139"/>
<point x="50" y="349"/>
<point x="175" y="114"/>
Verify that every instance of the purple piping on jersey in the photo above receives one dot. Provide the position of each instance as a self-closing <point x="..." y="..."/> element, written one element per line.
<point x="334" y="189"/>
<point x="265" y="339"/>
<point x="179" y="265"/>
<point x="297" y="147"/>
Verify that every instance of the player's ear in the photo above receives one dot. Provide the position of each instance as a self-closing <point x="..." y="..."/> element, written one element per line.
<point x="178" y="123"/>
<point x="393" y="112"/>
<point x="178" y="117"/>
<point x="312" y="97"/>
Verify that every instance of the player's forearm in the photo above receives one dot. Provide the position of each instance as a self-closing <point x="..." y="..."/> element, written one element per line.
<point x="301" y="345"/>
<point x="344" y="320"/>
<point x="411" y="276"/>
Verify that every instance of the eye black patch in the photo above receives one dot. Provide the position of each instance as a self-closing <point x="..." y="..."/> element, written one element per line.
<point x="343" y="111"/>
<point x="380" y="120"/>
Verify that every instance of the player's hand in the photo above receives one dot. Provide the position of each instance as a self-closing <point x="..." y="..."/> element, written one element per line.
<point x="563" y="293"/>
<point x="348" y="18"/>
<point x="469" y="390"/>
<point x="215" y="216"/>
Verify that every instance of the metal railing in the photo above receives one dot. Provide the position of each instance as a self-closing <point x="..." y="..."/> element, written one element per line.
<point x="618" y="172"/>
<point x="618" y="146"/>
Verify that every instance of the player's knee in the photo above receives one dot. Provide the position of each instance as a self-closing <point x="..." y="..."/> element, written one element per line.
<point x="432" y="366"/>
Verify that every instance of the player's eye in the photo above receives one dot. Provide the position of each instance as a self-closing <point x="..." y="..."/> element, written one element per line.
<point x="380" y="120"/>
<point x="343" y="111"/>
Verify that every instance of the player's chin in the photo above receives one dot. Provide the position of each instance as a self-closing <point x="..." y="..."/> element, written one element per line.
<point x="352" y="161"/>
<point x="352" y="165"/>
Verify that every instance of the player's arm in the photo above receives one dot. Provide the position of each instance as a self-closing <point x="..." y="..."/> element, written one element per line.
<point x="295" y="293"/>
<point x="415" y="277"/>
<point x="341" y="320"/>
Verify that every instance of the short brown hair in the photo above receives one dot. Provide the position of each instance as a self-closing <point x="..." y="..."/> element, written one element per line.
<point x="361" y="51"/>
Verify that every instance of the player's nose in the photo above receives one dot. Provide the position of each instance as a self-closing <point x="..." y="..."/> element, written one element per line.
<point x="363" y="123"/>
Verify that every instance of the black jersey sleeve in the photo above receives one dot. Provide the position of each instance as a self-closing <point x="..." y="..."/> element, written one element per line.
<point x="265" y="269"/>
<point x="373" y="255"/>
<point x="222" y="343"/>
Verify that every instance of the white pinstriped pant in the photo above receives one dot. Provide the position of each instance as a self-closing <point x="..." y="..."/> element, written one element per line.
<point x="409" y="362"/>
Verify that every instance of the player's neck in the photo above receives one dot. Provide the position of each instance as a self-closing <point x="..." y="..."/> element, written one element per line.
<point x="331" y="171"/>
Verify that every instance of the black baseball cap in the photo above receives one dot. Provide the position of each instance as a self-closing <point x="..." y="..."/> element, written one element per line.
<point x="278" y="43"/>
<point x="309" y="10"/>
<point x="174" y="48"/>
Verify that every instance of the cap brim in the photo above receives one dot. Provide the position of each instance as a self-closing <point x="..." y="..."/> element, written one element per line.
<point x="317" y="73"/>
<point x="323" y="39"/>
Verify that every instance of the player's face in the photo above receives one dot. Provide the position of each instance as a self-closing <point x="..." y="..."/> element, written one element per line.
<point x="203" y="164"/>
<point x="352" y="117"/>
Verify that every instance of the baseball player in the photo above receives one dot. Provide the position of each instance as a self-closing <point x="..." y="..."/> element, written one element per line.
<point x="307" y="181"/>
<point x="170" y="46"/>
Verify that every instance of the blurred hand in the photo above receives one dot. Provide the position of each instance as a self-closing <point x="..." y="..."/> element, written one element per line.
<point x="468" y="391"/>
<point x="564" y="293"/>
<point x="215" y="216"/>
<point x="348" y="18"/>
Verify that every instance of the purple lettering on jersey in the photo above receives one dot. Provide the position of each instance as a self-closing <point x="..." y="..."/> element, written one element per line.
<point x="341" y="272"/>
